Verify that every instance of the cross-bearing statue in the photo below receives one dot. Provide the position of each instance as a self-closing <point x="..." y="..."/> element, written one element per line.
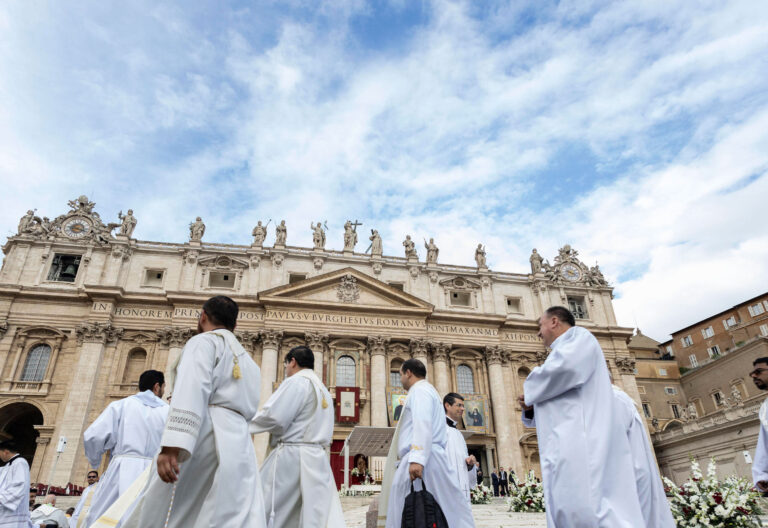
<point x="480" y="256"/>
<point x="432" y="251"/>
<point x="259" y="234"/>
<point x="350" y="235"/>
<point x="281" y="233"/>
<point x="196" y="230"/>
<point x="318" y="235"/>
<point x="128" y="223"/>
<point x="410" y="248"/>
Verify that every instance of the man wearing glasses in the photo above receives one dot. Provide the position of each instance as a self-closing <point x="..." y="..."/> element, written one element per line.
<point x="81" y="510"/>
<point x="760" y="465"/>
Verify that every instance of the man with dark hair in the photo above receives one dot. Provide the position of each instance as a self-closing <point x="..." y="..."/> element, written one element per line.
<point x="503" y="482"/>
<point x="130" y="430"/>
<point x="759" y="377"/>
<point x="84" y="504"/>
<point x="14" y="486"/>
<point x="578" y="436"/>
<point x="420" y="446"/>
<point x="207" y="473"/>
<point x="299" y="488"/>
<point x="456" y="447"/>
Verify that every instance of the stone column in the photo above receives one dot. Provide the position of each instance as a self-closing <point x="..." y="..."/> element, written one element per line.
<point x="92" y="338"/>
<point x="419" y="350"/>
<point x="377" y="347"/>
<point x="493" y="357"/>
<point x="442" y="372"/>
<point x="270" y="342"/>
<point x="174" y="337"/>
<point x="317" y="342"/>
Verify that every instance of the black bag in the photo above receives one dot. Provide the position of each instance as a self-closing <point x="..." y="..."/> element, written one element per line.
<point x="421" y="510"/>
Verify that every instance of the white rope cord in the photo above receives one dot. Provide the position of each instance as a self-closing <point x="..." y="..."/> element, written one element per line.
<point x="170" y="506"/>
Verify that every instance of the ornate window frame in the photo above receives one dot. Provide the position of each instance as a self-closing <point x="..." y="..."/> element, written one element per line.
<point x="24" y="341"/>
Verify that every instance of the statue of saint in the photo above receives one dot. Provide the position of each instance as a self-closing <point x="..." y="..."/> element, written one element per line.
<point x="196" y="230"/>
<point x="432" y="251"/>
<point x="596" y="276"/>
<point x="128" y="223"/>
<point x="259" y="234"/>
<point x="40" y="227"/>
<point x="377" y="248"/>
<point x="350" y="235"/>
<point x="736" y="395"/>
<point x="281" y="233"/>
<point x="480" y="256"/>
<point x="25" y="223"/>
<point x="318" y="235"/>
<point x="410" y="248"/>
<point x="692" y="413"/>
<point x="536" y="261"/>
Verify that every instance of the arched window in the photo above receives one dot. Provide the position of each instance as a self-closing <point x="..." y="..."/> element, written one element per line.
<point x="345" y="372"/>
<point x="134" y="366"/>
<point x="36" y="363"/>
<point x="394" y="373"/>
<point x="465" y="380"/>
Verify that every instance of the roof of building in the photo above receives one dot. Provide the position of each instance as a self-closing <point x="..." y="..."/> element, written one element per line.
<point x="640" y="340"/>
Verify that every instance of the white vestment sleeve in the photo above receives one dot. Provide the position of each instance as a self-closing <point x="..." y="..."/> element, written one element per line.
<point x="472" y="477"/>
<point x="191" y="394"/>
<point x="760" y="463"/>
<point x="570" y="365"/>
<point x="15" y="488"/>
<point x="421" y="442"/>
<point x="101" y="436"/>
<point x="280" y="412"/>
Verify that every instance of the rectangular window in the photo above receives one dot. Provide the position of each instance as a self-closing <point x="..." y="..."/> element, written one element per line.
<point x="730" y="322"/>
<point x="154" y="277"/>
<point x="764" y="329"/>
<point x="675" y="410"/>
<point x="713" y="351"/>
<point x="221" y="279"/>
<point x="640" y="389"/>
<point x="397" y="285"/>
<point x="756" y="309"/>
<point x="647" y="409"/>
<point x="394" y="379"/>
<point x="670" y="351"/>
<point x="707" y="332"/>
<point x="718" y="397"/>
<point x="578" y="307"/>
<point x="64" y="268"/>
<point x="686" y="341"/>
<point x="293" y="278"/>
<point x="693" y="360"/>
<point x="514" y="305"/>
<point x="461" y="299"/>
<point x="670" y="390"/>
<point x="662" y="372"/>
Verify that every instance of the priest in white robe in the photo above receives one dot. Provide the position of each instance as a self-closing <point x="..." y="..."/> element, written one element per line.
<point x="48" y="514"/>
<point x="586" y="460"/>
<point x="650" y="488"/>
<point x="759" y="377"/>
<point x="130" y="429"/>
<point x="84" y="504"/>
<point x="14" y="487"/>
<point x="456" y="447"/>
<point x="299" y="488"/>
<point x="420" y="440"/>
<point x="206" y="473"/>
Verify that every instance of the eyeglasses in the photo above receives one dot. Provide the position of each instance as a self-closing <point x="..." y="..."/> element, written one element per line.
<point x="758" y="371"/>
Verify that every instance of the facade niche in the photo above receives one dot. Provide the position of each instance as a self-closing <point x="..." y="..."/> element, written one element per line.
<point x="64" y="268"/>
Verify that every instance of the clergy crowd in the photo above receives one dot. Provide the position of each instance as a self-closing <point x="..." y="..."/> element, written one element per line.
<point x="192" y="463"/>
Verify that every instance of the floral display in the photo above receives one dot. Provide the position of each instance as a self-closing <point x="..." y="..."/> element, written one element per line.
<point x="527" y="496"/>
<point x="707" y="501"/>
<point x="481" y="494"/>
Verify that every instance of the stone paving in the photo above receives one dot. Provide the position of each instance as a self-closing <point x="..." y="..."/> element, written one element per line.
<point x="492" y="515"/>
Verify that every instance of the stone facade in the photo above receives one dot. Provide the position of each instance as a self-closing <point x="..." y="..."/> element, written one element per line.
<point x="83" y="312"/>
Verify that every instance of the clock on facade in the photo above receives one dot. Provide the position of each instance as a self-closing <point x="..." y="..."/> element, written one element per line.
<point x="570" y="272"/>
<point x="77" y="227"/>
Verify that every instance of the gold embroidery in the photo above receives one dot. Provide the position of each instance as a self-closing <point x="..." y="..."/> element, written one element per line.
<point x="236" y="370"/>
<point x="325" y="403"/>
<point x="414" y="447"/>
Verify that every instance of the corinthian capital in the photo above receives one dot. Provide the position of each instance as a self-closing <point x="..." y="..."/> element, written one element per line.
<point x="316" y="341"/>
<point x="271" y="338"/>
<point x="3" y="328"/>
<point x="440" y="351"/>
<point x="494" y="355"/>
<point x="175" y="336"/>
<point x="93" y="332"/>
<point x="419" y="346"/>
<point x="625" y="365"/>
<point x="377" y="345"/>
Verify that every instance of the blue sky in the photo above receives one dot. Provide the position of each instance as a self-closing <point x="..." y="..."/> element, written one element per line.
<point x="633" y="130"/>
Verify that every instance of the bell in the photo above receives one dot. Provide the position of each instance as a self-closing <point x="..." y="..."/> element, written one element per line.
<point x="70" y="271"/>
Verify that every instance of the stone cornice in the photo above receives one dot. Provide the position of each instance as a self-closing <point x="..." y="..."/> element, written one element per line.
<point x="94" y="332"/>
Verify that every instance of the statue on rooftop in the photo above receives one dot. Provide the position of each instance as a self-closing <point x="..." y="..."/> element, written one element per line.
<point x="259" y="234"/>
<point x="536" y="261"/>
<point x="377" y="247"/>
<point x="410" y="248"/>
<point x="318" y="235"/>
<point x="432" y="251"/>
<point x="281" y="233"/>
<point x="196" y="230"/>
<point x="128" y="223"/>
<point x="480" y="256"/>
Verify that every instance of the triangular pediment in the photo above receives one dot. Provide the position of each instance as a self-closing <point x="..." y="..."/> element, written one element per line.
<point x="348" y="289"/>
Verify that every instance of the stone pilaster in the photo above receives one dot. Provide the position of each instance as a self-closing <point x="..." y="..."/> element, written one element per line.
<point x="377" y="347"/>
<point x="494" y="356"/>
<point x="440" y="353"/>
<point x="92" y="339"/>
<point x="174" y="337"/>
<point x="270" y="344"/>
<point x="317" y="342"/>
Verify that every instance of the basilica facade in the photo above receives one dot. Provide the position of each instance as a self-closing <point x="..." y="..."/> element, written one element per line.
<point x="85" y="307"/>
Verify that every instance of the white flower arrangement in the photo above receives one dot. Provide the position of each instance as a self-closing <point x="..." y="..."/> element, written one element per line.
<point x="527" y="496"/>
<point x="707" y="501"/>
<point x="481" y="494"/>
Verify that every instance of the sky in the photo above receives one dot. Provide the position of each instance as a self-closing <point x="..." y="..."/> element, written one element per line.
<point x="636" y="131"/>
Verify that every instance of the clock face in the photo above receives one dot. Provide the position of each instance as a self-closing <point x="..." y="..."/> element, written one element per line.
<point x="77" y="227"/>
<point x="570" y="272"/>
